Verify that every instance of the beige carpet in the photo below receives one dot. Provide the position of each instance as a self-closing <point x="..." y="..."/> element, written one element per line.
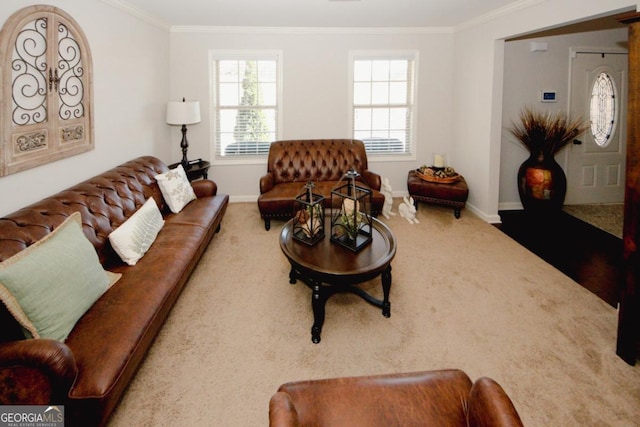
<point x="607" y="217"/>
<point x="464" y="295"/>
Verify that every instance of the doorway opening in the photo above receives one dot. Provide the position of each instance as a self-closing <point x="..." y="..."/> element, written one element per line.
<point x="536" y="65"/>
<point x="542" y="63"/>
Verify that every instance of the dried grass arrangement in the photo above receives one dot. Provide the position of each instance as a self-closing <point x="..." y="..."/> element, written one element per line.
<point x="546" y="131"/>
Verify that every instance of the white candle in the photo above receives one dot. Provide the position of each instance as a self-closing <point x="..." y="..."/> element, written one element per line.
<point x="438" y="161"/>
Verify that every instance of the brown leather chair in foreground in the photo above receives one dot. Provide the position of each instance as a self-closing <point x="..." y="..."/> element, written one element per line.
<point x="434" y="398"/>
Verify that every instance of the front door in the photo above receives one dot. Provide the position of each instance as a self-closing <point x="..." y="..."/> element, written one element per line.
<point x="596" y="159"/>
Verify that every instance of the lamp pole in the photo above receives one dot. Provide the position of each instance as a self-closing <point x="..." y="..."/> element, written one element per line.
<point x="184" y="145"/>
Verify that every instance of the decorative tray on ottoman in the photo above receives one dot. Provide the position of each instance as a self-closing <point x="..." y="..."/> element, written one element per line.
<point x="445" y="175"/>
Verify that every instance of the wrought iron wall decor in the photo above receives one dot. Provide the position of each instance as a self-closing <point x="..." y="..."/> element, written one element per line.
<point x="28" y="65"/>
<point x="47" y="72"/>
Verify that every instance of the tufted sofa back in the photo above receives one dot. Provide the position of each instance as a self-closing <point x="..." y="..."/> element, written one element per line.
<point x="104" y="201"/>
<point x="315" y="159"/>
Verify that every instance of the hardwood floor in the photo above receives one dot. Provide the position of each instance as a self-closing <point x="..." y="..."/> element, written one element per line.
<point x="588" y="255"/>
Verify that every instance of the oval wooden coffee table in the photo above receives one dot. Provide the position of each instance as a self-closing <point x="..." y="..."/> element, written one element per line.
<point x="328" y="268"/>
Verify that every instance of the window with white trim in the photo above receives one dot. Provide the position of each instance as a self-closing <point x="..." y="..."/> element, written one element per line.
<point x="383" y="101"/>
<point x="246" y="96"/>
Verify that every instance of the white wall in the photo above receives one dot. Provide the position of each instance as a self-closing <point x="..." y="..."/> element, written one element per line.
<point x="460" y="89"/>
<point x="525" y="74"/>
<point x="139" y="66"/>
<point x="479" y="66"/>
<point x="316" y="84"/>
<point x="131" y="81"/>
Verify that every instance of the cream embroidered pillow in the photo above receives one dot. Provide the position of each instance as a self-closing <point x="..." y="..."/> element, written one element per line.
<point x="134" y="236"/>
<point x="176" y="188"/>
<point x="48" y="286"/>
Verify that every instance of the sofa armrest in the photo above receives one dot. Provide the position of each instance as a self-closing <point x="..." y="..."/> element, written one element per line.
<point x="204" y="188"/>
<point x="35" y="372"/>
<point x="266" y="183"/>
<point x="489" y="406"/>
<point x="372" y="179"/>
<point x="282" y="412"/>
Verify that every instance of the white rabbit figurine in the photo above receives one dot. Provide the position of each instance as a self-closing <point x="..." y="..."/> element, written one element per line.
<point x="407" y="210"/>
<point x="388" y="198"/>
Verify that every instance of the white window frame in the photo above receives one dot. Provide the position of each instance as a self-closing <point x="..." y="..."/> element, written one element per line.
<point x="217" y="55"/>
<point x="411" y="55"/>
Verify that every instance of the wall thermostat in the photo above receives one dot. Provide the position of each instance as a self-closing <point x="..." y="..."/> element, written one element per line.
<point x="548" y="96"/>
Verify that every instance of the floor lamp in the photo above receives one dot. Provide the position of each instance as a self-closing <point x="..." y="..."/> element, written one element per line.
<point x="183" y="114"/>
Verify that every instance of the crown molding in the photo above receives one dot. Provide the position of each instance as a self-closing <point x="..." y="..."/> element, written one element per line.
<point x="312" y="30"/>
<point x="138" y="13"/>
<point x="505" y="10"/>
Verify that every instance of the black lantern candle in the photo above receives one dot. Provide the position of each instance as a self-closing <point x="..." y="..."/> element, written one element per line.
<point x="351" y="222"/>
<point x="308" y="216"/>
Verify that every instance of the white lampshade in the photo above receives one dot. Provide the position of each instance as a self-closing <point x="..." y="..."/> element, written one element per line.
<point x="183" y="113"/>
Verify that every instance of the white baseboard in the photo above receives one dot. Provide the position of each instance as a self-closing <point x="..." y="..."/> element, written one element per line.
<point x="491" y="219"/>
<point x="243" y="199"/>
<point x="510" y="206"/>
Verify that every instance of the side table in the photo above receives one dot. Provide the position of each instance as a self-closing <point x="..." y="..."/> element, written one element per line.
<point x="197" y="169"/>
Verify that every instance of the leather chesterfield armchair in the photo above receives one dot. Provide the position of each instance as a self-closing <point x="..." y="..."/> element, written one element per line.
<point x="432" y="398"/>
<point x="291" y="164"/>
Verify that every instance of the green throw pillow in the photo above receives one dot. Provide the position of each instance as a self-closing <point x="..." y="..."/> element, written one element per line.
<point x="52" y="283"/>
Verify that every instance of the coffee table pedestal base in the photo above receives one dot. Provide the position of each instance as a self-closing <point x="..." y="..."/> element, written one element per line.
<point x="328" y="269"/>
<point x="321" y="292"/>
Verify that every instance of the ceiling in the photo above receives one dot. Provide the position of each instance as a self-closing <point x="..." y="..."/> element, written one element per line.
<point x="318" y="13"/>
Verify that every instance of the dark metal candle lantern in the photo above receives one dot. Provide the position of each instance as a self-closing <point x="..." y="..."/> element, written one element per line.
<point x="351" y="222"/>
<point x="308" y="216"/>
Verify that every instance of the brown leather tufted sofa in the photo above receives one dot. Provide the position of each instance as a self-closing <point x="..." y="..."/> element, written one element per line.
<point x="291" y="164"/>
<point x="430" y="398"/>
<point x="90" y="371"/>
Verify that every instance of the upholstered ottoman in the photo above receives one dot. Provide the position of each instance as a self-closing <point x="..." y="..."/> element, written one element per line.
<point x="454" y="195"/>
